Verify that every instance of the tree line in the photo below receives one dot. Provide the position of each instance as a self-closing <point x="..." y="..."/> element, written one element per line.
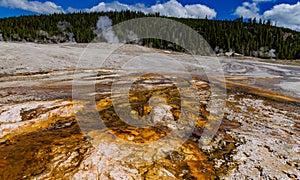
<point x="250" y="37"/>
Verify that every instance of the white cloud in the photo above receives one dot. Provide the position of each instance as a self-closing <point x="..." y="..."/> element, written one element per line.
<point x="285" y="15"/>
<point x="72" y="10"/>
<point x="199" y="10"/>
<point x="34" y="6"/>
<point x="171" y="8"/>
<point x="115" y="6"/>
<point x="248" y="10"/>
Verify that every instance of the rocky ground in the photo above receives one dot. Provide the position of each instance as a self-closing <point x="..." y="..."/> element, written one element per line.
<point x="51" y="125"/>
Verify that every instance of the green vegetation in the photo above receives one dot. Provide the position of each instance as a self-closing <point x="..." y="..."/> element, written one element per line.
<point x="251" y="38"/>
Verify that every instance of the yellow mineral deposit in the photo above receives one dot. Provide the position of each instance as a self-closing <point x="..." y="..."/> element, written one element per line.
<point x="41" y="136"/>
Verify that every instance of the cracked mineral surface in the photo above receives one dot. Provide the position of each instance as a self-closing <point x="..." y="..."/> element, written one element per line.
<point x="47" y="133"/>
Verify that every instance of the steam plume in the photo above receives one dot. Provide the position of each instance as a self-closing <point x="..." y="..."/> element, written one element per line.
<point x="104" y="28"/>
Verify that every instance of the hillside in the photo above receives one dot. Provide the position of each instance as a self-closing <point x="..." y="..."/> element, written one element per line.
<point x="247" y="37"/>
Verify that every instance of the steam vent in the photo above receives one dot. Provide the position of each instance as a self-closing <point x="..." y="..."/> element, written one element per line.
<point x="58" y="121"/>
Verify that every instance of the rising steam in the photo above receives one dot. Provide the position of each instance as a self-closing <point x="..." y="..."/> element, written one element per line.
<point x="104" y="28"/>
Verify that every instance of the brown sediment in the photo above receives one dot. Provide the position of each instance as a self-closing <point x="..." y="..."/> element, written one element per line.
<point x="33" y="153"/>
<point x="45" y="148"/>
<point x="35" y="149"/>
<point x="261" y="92"/>
<point x="200" y="166"/>
<point x="257" y="139"/>
<point x="13" y="95"/>
<point x="140" y="135"/>
<point x="227" y="125"/>
<point x="34" y="113"/>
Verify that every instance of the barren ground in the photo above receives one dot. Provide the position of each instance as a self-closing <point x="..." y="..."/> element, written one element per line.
<point x="42" y="136"/>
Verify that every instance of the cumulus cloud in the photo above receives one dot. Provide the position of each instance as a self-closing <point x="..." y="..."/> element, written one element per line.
<point x="285" y="15"/>
<point x="248" y="10"/>
<point x="114" y="6"/>
<point x="171" y="8"/>
<point x="33" y="6"/>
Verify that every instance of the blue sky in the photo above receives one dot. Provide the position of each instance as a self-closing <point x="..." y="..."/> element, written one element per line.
<point x="282" y="12"/>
